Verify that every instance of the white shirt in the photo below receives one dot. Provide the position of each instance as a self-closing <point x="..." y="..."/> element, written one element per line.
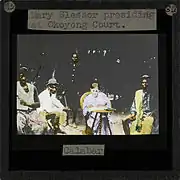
<point x="100" y="100"/>
<point x="49" y="103"/>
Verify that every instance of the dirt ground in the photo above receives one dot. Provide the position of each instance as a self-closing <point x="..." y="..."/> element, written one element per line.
<point x="115" y="123"/>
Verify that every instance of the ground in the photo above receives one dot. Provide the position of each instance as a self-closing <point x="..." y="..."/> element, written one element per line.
<point x="116" y="126"/>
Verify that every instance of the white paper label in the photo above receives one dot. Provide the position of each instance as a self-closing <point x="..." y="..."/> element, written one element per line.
<point x="92" y="20"/>
<point x="83" y="150"/>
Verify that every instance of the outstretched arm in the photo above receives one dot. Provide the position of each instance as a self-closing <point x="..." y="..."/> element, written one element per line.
<point x="36" y="103"/>
<point x="56" y="102"/>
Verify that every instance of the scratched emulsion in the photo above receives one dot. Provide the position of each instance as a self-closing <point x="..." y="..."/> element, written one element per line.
<point x="78" y="74"/>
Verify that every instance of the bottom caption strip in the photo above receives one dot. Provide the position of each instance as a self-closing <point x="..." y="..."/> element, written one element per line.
<point x="83" y="150"/>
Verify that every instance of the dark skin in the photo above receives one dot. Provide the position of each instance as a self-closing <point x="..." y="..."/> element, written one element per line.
<point x="23" y="83"/>
<point x="52" y="88"/>
<point x="144" y="84"/>
<point x="55" y="120"/>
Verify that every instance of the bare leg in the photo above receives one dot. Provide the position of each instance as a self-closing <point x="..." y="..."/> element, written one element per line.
<point x="126" y="128"/>
<point x="74" y="110"/>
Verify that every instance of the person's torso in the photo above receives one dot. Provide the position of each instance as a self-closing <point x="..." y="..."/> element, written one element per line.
<point x="48" y="102"/>
<point x="145" y="99"/>
<point x="25" y="96"/>
<point x="97" y="101"/>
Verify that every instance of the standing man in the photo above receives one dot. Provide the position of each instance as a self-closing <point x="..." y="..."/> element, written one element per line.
<point x="73" y="97"/>
<point x="140" y="121"/>
<point x="28" y="120"/>
<point x="51" y="108"/>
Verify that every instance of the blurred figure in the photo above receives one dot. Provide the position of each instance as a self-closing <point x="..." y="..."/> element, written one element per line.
<point x="73" y="94"/>
<point x="140" y="121"/>
<point x="28" y="120"/>
<point x="96" y="100"/>
<point x="51" y="108"/>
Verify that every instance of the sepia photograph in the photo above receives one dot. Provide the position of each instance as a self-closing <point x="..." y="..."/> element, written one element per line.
<point x="87" y="84"/>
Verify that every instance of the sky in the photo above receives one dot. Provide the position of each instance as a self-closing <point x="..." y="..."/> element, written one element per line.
<point x="128" y="57"/>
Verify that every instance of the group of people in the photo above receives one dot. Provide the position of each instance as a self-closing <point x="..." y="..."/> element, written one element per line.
<point x="38" y="114"/>
<point x="42" y="114"/>
<point x="141" y="119"/>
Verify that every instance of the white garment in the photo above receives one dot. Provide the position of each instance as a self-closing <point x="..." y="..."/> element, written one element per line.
<point x="100" y="100"/>
<point x="49" y="103"/>
<point x="28" y="122"/>
<point x="25" y="96"/>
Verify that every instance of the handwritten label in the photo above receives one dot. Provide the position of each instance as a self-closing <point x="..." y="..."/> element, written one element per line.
<point x="83" y="150"/>
<point x="92" y="20"/>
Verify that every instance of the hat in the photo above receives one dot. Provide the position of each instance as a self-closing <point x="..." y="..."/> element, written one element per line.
<point x="23" y="69"/>
<point x="145" y="76"/>
<point x="94" y="85"/>
<point x="52" y="81"/>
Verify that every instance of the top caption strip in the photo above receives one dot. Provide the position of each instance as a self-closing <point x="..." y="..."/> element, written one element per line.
<point x="92" y="20"/>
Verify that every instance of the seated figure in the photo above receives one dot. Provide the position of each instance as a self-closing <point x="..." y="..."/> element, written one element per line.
<point x="140" y="121"/>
